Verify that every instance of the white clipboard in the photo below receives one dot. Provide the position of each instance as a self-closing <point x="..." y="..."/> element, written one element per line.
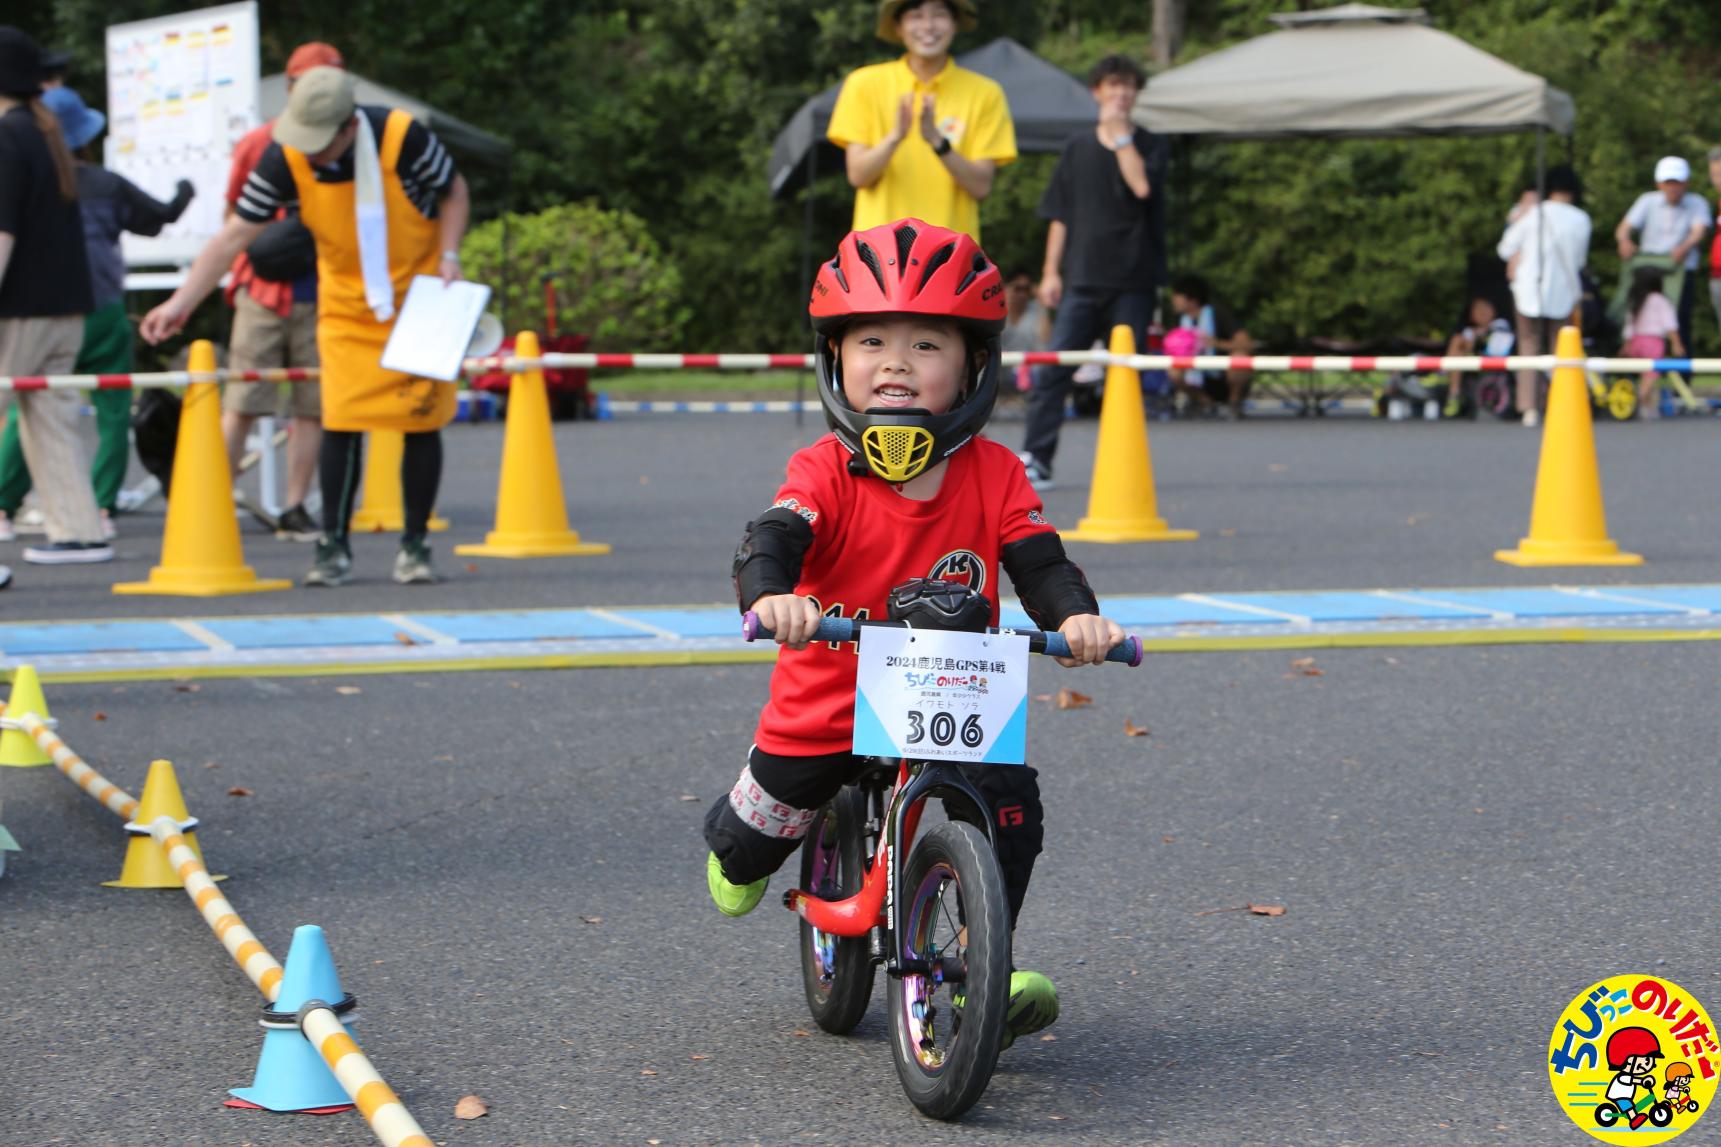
<point x="434" y="327"/>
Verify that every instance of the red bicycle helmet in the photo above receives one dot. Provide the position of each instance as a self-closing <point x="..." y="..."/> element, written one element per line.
<point x="908" y="267"/>
<point x="1627" y="1042"/>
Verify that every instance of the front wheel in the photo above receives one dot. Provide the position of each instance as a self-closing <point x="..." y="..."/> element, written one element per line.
<point x="836" y="971"/>
<point x="1660" y="1115"/>
<point x="947" y="1015"/>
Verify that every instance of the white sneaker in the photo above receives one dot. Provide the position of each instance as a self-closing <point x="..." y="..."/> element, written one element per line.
<point x="1532" y="418"/>
<point x="109" y="530"/>
<point x="5" y="576"/>
<point x="1039" y="478"/>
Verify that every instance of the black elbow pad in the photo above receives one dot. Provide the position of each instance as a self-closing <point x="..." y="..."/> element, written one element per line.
<point x="1052" y="587"/>
<point x="768" y="560"/>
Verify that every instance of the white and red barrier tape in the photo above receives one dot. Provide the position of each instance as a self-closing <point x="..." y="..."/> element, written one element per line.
<point x="1338" y="364"/>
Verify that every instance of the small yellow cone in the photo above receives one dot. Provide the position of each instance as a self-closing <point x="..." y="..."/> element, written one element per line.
<point x="146" y="861"/>
<point x="18" y="748"/>
<point x="383" y="510"/>
<point x="1568" y="526"/>
<point x="200" y="551"/>
<point x="531" y="517"/>
<point x="1122" y="503"/>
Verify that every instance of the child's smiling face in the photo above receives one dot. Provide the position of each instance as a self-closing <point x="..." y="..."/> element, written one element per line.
<point x="903" y="362"/>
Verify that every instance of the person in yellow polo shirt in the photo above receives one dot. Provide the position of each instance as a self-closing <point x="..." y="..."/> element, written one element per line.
<point x="922" y="137"/>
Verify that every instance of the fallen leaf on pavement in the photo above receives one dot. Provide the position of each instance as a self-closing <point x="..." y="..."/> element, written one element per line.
<point x="649" y="1071"/>
<point x="1048" y="1038"/>
<point x="687" y="797"/>
<point x="470" y="1107"/>
<point x="188" y="687"/>
<point x="799" y="1033"/>
<point x="1267" y="909"/>
<point x="405" y="638"/>
<point x="592" y="919"/>
<point x="1131" y="729"/>
<point x="471" y="567"/>
<point x="1306" y="667"/>
<point x="1227" y="533"/>
<point x="1042" y="696"/>
<point x="1070" y="699"/>
<point x="239" y="791"/>
<point x="210" y="765"/>
<point x="348" y="690"/>
<point x="698" y="1057"/>
<point x="1166" y="839"/>
<point x="1277" y="467"/>
<point x="98" y="716"/>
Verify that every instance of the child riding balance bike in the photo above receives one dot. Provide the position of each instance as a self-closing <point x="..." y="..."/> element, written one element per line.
<point x="907" y="319"/>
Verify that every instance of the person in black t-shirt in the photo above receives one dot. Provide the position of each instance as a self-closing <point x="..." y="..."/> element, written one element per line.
<point x="1104" y="245"/>
<point x="44" y="296"/>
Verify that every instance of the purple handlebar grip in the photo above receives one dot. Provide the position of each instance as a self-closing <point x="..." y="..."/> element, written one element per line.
<point x="1133" y="644"/>
<point x="749" y="626"/>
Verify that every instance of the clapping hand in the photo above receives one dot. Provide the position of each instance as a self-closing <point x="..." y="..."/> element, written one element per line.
<point x="929" y="122"/>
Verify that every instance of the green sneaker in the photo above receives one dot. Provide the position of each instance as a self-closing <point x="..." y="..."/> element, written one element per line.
<point x="333" y="564"/>
<point x="412" y="564"/>
<point x="732" y="899"/>
<point x="1033" y="1005"/>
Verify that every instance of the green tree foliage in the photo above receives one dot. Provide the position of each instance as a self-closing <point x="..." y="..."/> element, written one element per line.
<point x="613" y="281"/>
<point x="665" y="109"/>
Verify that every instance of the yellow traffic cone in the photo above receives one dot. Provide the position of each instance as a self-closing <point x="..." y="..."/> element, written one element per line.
<point x="1122" y="504"/>
<point x="200" y="551"/>
<point x="1568" y="526"/>
<point x="17" y="747"/>
<point x="531" y="517"/>
<point x="382" y="509"/>
<point x="146" y="863"/>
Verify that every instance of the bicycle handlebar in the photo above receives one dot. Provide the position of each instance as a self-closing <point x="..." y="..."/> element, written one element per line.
<point x="1127" y="652"/>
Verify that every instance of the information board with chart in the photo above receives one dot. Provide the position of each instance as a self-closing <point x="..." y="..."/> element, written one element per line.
<point x="182" y="90"/>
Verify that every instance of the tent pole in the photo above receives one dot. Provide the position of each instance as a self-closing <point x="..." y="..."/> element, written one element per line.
<point x="507" y="210"/>
<point x="806" y="264"/>
<point x="1542" y="232"/>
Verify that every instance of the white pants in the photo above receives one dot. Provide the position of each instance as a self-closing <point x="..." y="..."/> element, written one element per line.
<point x="59" y="463"/>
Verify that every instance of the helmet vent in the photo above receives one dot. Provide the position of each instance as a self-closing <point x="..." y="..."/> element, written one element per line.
<point x="905" y="237"/>
<point x="974" y="272"/>
<point x="938" y="259"/>
<point x="837" y="271"/>
<point x="870" y="258"/>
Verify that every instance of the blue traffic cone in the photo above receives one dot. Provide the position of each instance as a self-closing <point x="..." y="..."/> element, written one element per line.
<point x="291" y="1074"/>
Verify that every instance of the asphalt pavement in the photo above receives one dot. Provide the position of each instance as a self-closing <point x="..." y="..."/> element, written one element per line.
<point x="510" y="871"/>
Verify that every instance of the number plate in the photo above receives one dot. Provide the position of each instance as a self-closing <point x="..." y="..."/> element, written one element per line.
<point x="942" y="696"/>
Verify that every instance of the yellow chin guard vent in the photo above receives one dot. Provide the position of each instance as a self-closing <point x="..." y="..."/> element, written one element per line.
<point x="897" y="453"/>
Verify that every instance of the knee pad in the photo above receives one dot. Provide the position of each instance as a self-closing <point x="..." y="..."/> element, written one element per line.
<point x="752" y="832"/>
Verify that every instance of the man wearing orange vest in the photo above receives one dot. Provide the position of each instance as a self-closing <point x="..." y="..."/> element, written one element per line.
<point x="380" y="194"/>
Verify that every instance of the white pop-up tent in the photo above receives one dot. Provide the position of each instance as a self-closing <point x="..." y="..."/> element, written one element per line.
<point x="1349" y="71"/>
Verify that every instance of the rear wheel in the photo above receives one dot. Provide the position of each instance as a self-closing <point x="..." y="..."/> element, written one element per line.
<point x="947" y="1018"/>
<point x="836" y="971"/>
<point x="1622" y="399"/>
<point x="1494" y="394"/>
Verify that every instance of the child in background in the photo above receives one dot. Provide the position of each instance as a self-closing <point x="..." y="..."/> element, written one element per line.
<point x="908" y="317"/>
<point x="1651" y="327"/>
<point x="1486" y="333"/>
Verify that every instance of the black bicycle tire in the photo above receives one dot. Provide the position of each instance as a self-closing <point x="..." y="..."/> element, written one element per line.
<point x="840" y="1009"/>
<point x="960" y="1082"/>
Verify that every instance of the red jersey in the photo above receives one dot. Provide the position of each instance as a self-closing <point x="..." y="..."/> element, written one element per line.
<point x="868" y="538"/>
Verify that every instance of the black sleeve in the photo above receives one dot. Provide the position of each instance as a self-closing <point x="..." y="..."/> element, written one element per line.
<point x="268" y="188"/>
<point x="1052" y="588"/>
<point x="768" y="560"/>
<point x="426" y="169"/>
<point x="142" y="213"/>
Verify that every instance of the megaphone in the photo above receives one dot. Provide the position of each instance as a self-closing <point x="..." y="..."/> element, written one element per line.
<point x="487" y="338"/>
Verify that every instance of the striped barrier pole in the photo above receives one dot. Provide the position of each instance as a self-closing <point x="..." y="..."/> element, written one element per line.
<point x="115" y="799"/>
<point x="1338" y="364"/>
<point x="382" y="1109"/>
<point x="146" y="380"/>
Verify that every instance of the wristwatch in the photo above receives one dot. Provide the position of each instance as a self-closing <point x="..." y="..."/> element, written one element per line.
<point x="1120" y="142"/>
<point x="942" y="147"/>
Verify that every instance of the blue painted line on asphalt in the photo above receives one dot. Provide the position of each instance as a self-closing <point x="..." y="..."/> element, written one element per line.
<point x="525" y="625"/>
<point x="293" y="632"/>
<point x="24" y="639"/>
<point x="1179" y="616"/>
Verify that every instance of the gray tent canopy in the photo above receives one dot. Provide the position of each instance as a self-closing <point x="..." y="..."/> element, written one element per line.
<point x="1047" y="104"/>
<point x="462" y="138"/>
<point x="1352" y="70"/>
